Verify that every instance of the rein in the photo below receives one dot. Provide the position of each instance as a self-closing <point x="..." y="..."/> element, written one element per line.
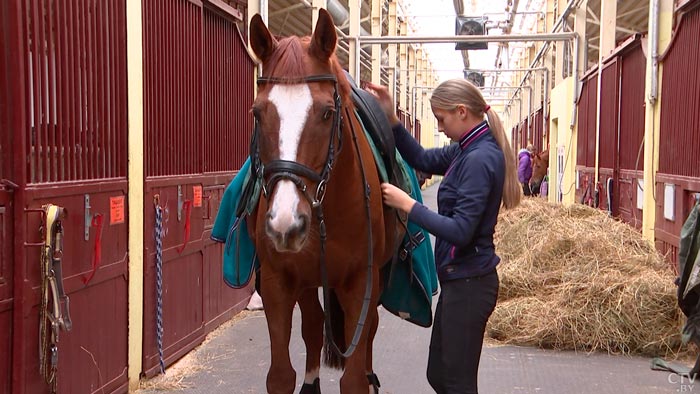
<point x="277" y="170"/>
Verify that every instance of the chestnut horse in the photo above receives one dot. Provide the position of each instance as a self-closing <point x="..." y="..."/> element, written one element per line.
<point x="540" y="164"/>
<point x="321" y="221"/>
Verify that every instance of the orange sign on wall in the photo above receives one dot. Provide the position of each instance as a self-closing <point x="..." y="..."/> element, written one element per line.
<point x="116" y="210"/>
<point x="197" y="191"/>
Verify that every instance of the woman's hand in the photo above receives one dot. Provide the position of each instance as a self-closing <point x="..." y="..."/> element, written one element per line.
<point x="382" y="95"/>
<point x="397" y="198"/>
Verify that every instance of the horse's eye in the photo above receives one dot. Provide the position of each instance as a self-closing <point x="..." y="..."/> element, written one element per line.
<point x="327" y="115"/>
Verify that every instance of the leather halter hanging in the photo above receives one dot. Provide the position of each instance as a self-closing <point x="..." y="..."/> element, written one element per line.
<point x="277" y="170"/>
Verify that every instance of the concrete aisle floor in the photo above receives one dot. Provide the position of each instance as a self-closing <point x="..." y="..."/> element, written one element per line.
<point x="236" y="359"/>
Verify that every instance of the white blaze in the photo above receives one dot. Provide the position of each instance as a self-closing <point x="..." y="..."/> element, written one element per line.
<point x="293" y="103"/>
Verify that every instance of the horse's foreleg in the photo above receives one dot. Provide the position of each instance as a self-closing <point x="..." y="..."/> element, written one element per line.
<point x="373" y="324"/>
<point x="355" y="376"/>
<point x="312" y="333"/>
<point x="279" y="305"/>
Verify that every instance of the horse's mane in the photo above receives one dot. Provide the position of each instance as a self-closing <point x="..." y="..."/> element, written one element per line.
<point x="288" y="62"/>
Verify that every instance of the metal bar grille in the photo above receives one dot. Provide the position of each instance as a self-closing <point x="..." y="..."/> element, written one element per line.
<point x="172" y="87"/>
<point x="524" y="137"/>
<point x="609" y="115"/>
<point x="591" y="114"/>
<point x="582" y="129"/>
<point x="538" y="132"/>
<point x="680" y="102"/>
<point x="74" y="55"/>
<point x="228" y="94"/>
<point x="633" y="75"/>
<point x="418" y="130"/>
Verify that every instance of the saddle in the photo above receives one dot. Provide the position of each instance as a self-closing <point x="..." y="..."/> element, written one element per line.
<point x="379" y="128"/>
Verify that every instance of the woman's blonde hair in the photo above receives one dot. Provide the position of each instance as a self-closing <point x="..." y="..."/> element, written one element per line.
<point x="451" y="93"/>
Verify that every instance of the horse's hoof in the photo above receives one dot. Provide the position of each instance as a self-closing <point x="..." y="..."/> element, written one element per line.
<point x="374" y="381"/>
<point x="314" y="388"/>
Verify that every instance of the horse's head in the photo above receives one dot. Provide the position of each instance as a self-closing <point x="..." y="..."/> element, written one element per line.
<point x="540" y="163"/>
<point x="298" y="121"/>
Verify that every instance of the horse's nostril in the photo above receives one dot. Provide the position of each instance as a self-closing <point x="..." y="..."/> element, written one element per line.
<point x="269" y="229"/>
<point x="300" y="227"/>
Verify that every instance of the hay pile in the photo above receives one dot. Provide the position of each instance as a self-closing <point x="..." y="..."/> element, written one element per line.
<point x="573" y="278"/>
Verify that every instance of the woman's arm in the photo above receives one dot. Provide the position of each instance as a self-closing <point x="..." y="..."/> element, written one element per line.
<point x="471" y="201"/>
<point x="433" y="161"/>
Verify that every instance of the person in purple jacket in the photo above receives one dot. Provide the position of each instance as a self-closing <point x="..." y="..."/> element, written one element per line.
<point x="479" y="176"/>
<point x="525" y="168"/>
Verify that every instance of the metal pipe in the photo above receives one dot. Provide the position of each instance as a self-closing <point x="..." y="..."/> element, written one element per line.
<point x="564" y="36"/>
<point x="515" y="13"/>
<point x="545" y="100"/>
<point x="529" y="116"/>
<point x="577" y="87"/>
<point x="511" y="10"/>
<point x="490" y="88"/>
<point x="264" y="11"/>
<point x="414" y="95"/>
<point x="544" y="48"/>
<point x="497" y="70"/>
<point x="289" y="9"/>
<point x="654" y="49"/>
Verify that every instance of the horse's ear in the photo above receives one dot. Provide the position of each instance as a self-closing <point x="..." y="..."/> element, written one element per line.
<point x="324" y="39"/>
<point x="262" y="42"/>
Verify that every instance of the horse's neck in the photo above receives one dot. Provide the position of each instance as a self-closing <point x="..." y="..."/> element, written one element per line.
<point x="347" y="166"/>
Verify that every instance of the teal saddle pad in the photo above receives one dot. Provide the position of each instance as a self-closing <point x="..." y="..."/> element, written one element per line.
<point x="409" y="283"/>
<point x="239" y="260"/>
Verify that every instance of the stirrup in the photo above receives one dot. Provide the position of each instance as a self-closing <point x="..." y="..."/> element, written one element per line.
<point x="314" y="388"/>
<point x="374" y="381"/>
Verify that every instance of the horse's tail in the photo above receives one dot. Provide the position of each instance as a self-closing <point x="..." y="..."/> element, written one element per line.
<point x="331" y="358"/>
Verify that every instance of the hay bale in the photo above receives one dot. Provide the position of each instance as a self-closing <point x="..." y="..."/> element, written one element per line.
<point x="573" y="278"/>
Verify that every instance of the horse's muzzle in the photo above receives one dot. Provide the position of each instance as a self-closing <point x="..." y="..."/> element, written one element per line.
<point x="289" y="238"/>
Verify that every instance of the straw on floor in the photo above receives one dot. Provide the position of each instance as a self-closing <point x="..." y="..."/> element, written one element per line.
<point x="574" y="278"/>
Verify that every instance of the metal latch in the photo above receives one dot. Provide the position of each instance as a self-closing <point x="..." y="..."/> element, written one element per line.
<point x="88" y="217"/>
<point x="179" y="203"/>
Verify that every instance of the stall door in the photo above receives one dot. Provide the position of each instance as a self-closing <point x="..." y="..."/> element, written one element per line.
<point x="6" y="225"/>
<point x="196" y="131"/>
<point x="6" y="239"/>
<point x="70" y="126"/>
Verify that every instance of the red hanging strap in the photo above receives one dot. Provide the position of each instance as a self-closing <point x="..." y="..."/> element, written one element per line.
<point x="97" y="253"/>
<point x="187" y="206"/>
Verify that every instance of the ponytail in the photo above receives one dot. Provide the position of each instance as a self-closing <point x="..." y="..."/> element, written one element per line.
<point x="512" y="191"/>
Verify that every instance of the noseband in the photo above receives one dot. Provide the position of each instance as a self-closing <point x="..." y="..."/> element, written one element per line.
<point x="277" y="170"/>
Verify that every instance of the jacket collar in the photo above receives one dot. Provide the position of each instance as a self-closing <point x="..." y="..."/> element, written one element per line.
<point x="472" y="135"/>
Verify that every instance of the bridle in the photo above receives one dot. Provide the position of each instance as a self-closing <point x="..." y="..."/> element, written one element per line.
<point x="274" y="171"/>
<point x="277" y="170"/>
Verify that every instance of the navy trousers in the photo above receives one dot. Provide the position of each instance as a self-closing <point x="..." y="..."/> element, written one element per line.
<point x="464" y="306"/>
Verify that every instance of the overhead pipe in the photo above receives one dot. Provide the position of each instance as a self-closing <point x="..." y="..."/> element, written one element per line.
<point x="563" y="36"/>
<point x="341" y="16"/>
<point x="540" y="53"/>
<point x="545" y="77"/>
<point x="509" y="24"/>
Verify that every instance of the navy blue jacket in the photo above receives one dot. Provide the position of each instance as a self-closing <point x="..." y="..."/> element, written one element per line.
<point x="468" y="199"/>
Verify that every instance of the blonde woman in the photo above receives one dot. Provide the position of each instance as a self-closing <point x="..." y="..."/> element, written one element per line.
<point x="480" y="176"/>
